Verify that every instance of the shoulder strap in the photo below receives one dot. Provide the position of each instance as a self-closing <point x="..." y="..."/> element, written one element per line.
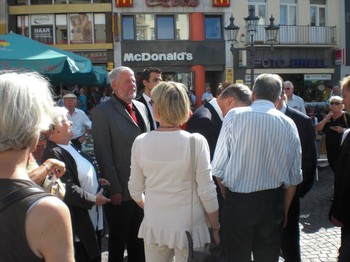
<point x="19" y="194"/>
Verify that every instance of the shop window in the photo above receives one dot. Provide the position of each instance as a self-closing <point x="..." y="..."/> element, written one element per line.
<point x="288" y="15"/>
<point x="260" y="9"/>
<point x="318" y="12"/>
<point x="42" y="28"/>
<point x="61" y="29"/>
<point x="22" y="25"/>
<point x="80" y="1"/>
<point x="128" y="28"/>
<point x="165" y="27"/>
<point x="145" y="27"/>
<point x="182" y="27"/>
<point x="212" y="27"/>
<point x="80" y="28"/>
<point x="100" y="28"/>
<point x="40" y="2"/>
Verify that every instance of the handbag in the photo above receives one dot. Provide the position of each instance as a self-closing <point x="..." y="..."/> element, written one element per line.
<point x="54" y="186"/>
<point x="211" y="252"/>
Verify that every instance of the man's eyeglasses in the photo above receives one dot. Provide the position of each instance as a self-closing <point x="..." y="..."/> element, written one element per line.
<point x="335" y="103"/>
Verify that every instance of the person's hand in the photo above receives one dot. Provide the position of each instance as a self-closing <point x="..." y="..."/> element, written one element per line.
<point x="82" y="139"/>
<point x="101" y="199"/>
<point x="216" y="237"/>
<point x="55" y="167"/>
<point x="329" y="115"/>
<point x="336" y="222"/>
<point x="116" y="199"/>
<point x="338" y="129"/>
<point x="103" y="181"/>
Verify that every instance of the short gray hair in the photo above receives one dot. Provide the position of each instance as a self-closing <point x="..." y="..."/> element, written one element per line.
<point x="58" y="113"/>
<point x="268" y="86"/>
<point x="115" y="73"/>
<point x="25" y="109"/>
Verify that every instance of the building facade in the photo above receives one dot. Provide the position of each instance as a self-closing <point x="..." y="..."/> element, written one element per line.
<point x="186" y="38"/>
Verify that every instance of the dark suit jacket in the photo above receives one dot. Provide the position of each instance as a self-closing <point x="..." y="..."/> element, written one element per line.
<point x="113" y="133"/>
<point x="206" y="121"/>
<point x="143" y="101"/>
<point x="308" y="146"/>
<point x="77" y="200"/>
<point x="340" y="208"/>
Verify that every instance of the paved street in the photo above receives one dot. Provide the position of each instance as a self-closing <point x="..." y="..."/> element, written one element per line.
<point x="319" y="239"/>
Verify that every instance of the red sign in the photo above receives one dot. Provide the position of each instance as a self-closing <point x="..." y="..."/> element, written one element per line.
<point x="221" y="3"/>
<point x="173" y="3"/>
<point x="124" y="3"/>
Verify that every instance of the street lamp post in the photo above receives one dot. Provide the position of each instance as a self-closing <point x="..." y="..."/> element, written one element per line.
<point x="231" y="36"/>
<point x="251" y="26"/>
<point x="251" y="23"/>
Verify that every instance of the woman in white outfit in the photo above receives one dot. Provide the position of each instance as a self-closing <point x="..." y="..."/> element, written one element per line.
<point x="160" y="180"/>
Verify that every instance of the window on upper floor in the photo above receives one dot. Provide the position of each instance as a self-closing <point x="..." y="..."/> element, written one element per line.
<point x="288" y="12"/>
<point x="212" y="27"/>
<point x="318" y="12"/>
<point x="260" y="10"/>
<point x="70" y="28"/>
<point x="155" y="27"/>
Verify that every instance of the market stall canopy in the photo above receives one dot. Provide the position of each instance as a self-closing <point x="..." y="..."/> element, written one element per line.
<point x="18" y="52"/>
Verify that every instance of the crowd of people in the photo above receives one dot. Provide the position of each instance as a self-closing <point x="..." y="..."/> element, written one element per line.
<point x="230" y="172"/>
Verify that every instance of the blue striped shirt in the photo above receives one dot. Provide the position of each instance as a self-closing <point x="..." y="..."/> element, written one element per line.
<point x="258" y="149"/>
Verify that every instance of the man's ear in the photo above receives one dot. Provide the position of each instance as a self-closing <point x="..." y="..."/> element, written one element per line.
<point x="253" y="97"/>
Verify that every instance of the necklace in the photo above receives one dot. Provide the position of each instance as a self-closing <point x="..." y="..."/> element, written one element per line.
<point x="168" y="127"/>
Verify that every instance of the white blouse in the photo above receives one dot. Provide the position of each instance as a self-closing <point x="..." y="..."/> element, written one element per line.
<point x="161" y="168"/>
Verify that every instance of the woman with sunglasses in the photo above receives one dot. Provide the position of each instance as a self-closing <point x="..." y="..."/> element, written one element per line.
<point x="333" y="125"/>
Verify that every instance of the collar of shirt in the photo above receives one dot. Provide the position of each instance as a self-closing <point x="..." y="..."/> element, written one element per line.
<point x="217" y="108"/>
<point x="284" y="108"/>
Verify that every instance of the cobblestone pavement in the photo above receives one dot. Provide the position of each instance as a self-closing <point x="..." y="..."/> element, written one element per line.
<point x="319" y="240"/>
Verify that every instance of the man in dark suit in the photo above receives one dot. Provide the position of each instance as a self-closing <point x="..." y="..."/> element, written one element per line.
<point x="291" y="235"/>
<point x="149" y="78"/>
<point x="115" y="125"/>
<point x="207" y="119"/>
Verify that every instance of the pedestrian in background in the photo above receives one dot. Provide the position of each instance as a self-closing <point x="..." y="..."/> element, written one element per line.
<point x="115" y="125"/>
<point x="257" y="162"/>
<point x="293" y="101"/>
<point x="161" y="180"/>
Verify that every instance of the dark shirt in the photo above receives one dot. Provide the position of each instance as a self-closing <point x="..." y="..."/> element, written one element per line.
<point x="13" y="241"/>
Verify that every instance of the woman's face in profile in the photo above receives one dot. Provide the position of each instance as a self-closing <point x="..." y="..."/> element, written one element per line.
<point x="64" y="130"/>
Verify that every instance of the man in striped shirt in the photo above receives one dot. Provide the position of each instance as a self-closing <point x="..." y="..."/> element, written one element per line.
<point x="258" y="163"/>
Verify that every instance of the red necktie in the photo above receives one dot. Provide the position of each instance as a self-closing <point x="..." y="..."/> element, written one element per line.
<point x="131" y="112"/>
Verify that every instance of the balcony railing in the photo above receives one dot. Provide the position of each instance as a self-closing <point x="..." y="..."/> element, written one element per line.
<point x="299" y="35"/>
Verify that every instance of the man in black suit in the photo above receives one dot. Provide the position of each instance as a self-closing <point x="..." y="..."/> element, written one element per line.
<point x="291" y="235"/>
<point x="149" y="78"/>
<point x="207" y="119"/>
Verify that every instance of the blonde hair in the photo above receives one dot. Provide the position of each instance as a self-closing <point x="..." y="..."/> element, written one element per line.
<point x="25" y="109"/>
<point x="345" y="83"/>
<point x="171" y="102"/>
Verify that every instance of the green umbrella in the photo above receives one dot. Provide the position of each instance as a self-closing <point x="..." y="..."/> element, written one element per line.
<point x="21" y="53"/>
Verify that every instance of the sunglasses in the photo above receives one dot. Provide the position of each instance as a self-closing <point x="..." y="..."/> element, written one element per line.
<point x="287" y="88"/>
<point x="335" y="103"/>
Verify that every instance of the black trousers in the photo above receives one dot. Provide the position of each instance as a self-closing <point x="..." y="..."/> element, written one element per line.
<point x="291" y="234"/>
<point x="344" y="250"/>
<point x="124" y="222"/>
<point x="252" y="223"/>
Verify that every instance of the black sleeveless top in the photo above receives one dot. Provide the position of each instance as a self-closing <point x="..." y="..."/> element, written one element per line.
<point x="13" y="242"/>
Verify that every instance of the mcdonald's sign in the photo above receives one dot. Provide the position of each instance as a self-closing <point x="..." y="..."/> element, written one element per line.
<point x="124" y="3"/>
<point x="221" y="3"/>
